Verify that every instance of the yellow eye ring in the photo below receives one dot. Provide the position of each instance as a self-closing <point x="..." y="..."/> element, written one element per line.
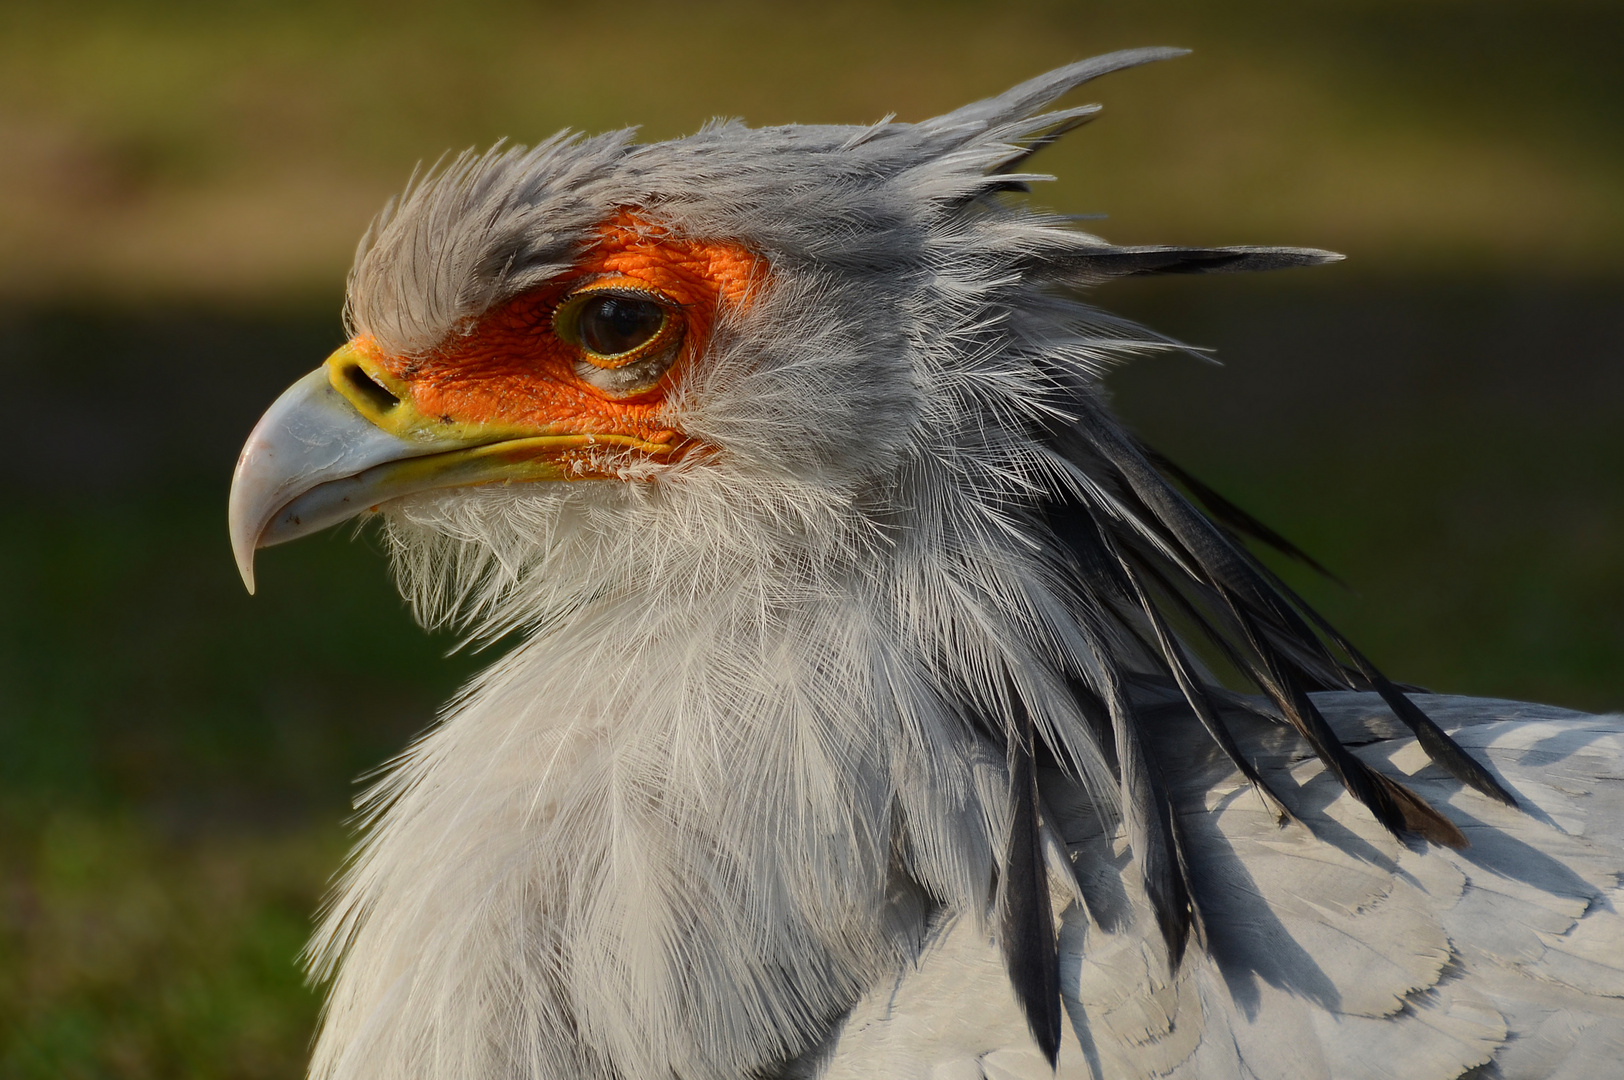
<point x="615" y="326"/>
<point x="627" y="337"/>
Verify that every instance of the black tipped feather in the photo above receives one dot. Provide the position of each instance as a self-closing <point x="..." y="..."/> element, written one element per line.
<point x="1088" y="263"/>
<point x="1019" y="187"/>
<point x="1443" y="750"/>
<point x="1098" y="718"/>
<point x="1150" y="817"/>
<point x="1232" y="516"/>
<point x="1026" y="919"/>
<point x="1440" y="748"/>
<point x="1394" y="805"/>
<point x="1153" y="832"/>
<point x="1114" y="573"/>
<point x="1255" y="619"/>
<point x="1200" y="703"/>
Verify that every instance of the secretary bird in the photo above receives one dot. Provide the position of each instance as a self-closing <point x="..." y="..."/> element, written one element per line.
<point x="868" y="716"/>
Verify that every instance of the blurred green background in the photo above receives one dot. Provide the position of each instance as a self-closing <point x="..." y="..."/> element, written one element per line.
<point x="181" y="185"/>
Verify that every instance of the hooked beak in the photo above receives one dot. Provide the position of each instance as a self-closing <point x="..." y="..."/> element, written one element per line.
<point x="343" y="440"/>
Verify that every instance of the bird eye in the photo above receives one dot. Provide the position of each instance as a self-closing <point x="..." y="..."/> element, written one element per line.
<point x="627" y="340"/>
<point x="615" y="325"/>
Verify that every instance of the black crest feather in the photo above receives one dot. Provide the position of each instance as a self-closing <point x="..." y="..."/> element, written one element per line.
<point x="1026" y="921"/>
<point x="1165" y="568"/>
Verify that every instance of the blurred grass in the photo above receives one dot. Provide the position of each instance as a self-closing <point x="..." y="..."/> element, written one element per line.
<point x="176" y="766"/>
<point x="125" y="954"/>
<point x="232" y="149"/>
<point x="181" y="185"/>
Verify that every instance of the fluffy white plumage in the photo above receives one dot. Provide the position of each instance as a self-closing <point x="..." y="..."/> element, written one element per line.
<point x="747" y="797"/>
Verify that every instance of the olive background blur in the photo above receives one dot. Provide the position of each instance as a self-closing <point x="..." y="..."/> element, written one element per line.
<point x="1440" y="419"/>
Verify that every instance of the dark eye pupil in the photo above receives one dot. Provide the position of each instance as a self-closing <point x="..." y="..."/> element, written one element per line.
<point x="611" y="325"/>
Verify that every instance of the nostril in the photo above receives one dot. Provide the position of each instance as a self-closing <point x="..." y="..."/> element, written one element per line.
<point x="377" y="395"/>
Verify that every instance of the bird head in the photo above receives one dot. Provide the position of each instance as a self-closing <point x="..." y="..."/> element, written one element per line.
<point x="804" y="336"/>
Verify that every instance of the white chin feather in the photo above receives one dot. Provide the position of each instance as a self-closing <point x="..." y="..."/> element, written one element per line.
<point x="490" y="560"/>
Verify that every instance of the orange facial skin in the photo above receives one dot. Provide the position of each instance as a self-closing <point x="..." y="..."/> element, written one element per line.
<point x="513" y="373"/>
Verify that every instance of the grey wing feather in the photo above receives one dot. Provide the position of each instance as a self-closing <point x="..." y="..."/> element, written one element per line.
<point x="1335" y="951"/>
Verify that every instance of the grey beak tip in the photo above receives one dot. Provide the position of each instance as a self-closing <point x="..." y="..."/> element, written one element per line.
<point x="312" y="461"/>
<point x="245" y="567"/>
